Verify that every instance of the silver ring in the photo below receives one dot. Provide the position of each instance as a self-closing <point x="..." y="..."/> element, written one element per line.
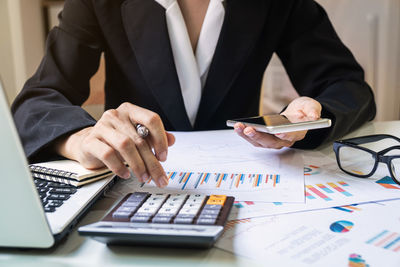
<point x="142" y="130"/>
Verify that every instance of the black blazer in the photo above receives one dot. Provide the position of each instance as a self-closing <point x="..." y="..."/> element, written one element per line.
<point x="140" y="68"/>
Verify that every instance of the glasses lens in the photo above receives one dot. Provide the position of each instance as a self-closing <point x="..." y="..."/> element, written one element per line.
<point x="395" y="166"/>
<point x="356" y="161"/>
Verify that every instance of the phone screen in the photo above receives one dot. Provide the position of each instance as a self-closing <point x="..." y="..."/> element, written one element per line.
<point x="267" y="120"/>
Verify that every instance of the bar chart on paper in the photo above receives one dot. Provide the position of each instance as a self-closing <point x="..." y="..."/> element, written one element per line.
<point x="386" y="240"/>
<point x="225" y="181"/>
<point x="323" y="189"/>
<point x="326" y="191"/>
<point x="220" y="162"/>
<point x="257" y="187"/>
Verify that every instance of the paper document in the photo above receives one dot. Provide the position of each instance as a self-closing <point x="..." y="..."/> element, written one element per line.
<point x="325" y="186"/>
<point x="221" y="162"/>
<point x="368" y="234"/>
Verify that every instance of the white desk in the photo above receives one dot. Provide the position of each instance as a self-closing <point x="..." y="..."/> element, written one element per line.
<point x="80" y="251"/>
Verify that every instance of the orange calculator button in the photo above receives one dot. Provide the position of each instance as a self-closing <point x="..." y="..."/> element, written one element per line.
<point x="216" y="200"/>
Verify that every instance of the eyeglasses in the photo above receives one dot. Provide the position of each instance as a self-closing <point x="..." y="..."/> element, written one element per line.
<point x="362" y="162"/>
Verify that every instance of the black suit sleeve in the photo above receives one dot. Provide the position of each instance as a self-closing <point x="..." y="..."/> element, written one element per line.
<point x="320" y="66"/>
<point x="48" y="107"/>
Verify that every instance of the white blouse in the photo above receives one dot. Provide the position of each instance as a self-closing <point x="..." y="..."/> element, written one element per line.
<point x="192" y="69"/>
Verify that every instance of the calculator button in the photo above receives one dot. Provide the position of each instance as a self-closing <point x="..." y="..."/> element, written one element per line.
<point x="208" y="216"/>
<point x="162" y="219"/>
<point x="137" y="197"/>
<point x="189" y="211"/>
<point x="195" y="201"/>
<point x="201" y="196"/>
<point x="178" y="196"/>
<point x="191" y="206"/>
<point x="138" y="218"/>
<point x="216" y="200"/>
<point x="122" y="214"/>
<point x="147" y="209"/>
<point x="171" y="211"/>
<point x="152" y="204"/>
<point x="179" y="220"/>
<point x="157" y="197"/>
<point x="130" y="204"/>
<point x="177" y="201"/>
<point x="134" y="200"/>
<point x="125" y="209"/>
<point x="172" y="205"/>
<point x="211" y="212"/>
<point x="185" y="216"/>
<point x="212" y="207"/>
<point x="206" y="221"/>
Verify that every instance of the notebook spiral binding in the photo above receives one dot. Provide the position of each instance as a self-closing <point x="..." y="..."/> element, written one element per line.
<point x="54" y="175"/>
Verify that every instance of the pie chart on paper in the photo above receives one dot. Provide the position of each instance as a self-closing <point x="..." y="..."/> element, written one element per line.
<point x="341" y="226"/>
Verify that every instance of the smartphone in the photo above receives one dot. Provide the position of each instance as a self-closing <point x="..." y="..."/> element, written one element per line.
<point x="274" y="124"/>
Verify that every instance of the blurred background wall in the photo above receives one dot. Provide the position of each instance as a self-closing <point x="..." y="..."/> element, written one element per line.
<point x="371" y="28"/>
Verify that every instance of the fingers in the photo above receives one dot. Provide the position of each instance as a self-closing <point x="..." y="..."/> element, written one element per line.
<point x="108" y="156"/>
<point x="134" y="149"/>
<point x="239" y="129"/>
<point x="152" y="164"/>
<point x="259" y="139"/>
<point x="312" y="109"/>
<point x="125" y="146"/>
<point x="302" y="109"/>
<point x="114" y="142"/>
<point x="266" y="140"/>
<point x="292" y="136"/>
<point x="171" y="139"/>
<point x="158" y="136"/>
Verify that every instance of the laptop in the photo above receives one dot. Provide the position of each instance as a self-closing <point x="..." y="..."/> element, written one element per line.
<point x="26" y="221"/>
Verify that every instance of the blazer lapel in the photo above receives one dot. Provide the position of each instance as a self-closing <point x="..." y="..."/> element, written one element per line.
<point x="145" y="25"/>
<point x="242" y="26"/>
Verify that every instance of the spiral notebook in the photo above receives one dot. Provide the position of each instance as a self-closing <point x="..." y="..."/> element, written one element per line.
<point x="68" y="172"/>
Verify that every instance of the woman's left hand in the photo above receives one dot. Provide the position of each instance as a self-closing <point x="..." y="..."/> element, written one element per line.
<point x="300" y="109"/>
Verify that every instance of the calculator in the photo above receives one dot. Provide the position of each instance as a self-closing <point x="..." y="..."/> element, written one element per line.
<point x="141" y="218"/>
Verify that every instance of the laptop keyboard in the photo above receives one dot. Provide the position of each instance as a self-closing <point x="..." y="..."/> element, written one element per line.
<point x="52" y="194"/>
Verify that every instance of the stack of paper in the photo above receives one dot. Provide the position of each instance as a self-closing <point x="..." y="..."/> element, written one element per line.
<point x="292" y="208"/>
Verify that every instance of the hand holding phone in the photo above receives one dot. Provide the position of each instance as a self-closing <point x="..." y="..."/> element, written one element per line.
<point x="278" y="131"/>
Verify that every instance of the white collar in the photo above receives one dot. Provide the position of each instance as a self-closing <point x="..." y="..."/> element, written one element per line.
<point x="192" y="69"/>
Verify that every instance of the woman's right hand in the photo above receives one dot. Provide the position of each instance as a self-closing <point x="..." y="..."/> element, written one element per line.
<point x="114" y="140"/>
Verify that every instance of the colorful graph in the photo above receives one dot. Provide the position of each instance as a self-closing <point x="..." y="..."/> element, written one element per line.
<point x="388" y="183"/>
<point x="318" y="192"/>
<point x="339" y="189"/>
<point x="309" y="196"/>
<point x="311" y="170"/>
<point x="349" y="208"/>
<point x="242" y="204"/>
<point x="222" y="180"/>
<point x="356" y="260"/>
<point x="325" y="191"/>
<point x="386" y="240"/>
<point x="341" y="226"/>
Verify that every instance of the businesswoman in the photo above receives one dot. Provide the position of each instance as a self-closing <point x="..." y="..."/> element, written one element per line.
<point x="183" y="65"/>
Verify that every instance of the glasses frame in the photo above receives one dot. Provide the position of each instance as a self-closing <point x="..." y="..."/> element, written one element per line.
<point x="378" y="156"/>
